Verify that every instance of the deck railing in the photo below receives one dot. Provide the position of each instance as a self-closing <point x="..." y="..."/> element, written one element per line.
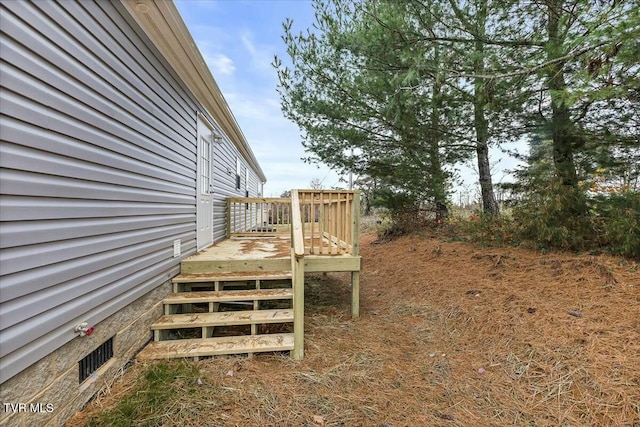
<point x="297" y="276"/>
<point x="331" y="221"/>
<point x="320" y="222"/>
<point x="258" y="216"/>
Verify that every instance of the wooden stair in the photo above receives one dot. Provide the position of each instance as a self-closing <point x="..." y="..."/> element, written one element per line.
<point x="224" y="318"/>
<point x="216" y="346"/>
<point x="202" y="316"/>
<point x="184" y="282"/>
<point x="228" y="296"/>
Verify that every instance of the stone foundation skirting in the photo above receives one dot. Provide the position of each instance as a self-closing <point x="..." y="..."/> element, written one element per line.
<point x="49" y="390"/>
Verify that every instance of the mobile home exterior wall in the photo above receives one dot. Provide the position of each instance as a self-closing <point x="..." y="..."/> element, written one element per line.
<point x="98" y="172"/>
<point x="225" y="185"/>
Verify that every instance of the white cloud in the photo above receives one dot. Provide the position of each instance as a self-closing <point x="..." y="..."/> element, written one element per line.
<point x="256" y="109"/>
<point x="219" y="63"/>
<point x="248" y="43"/>
<point x="261" y="54"/>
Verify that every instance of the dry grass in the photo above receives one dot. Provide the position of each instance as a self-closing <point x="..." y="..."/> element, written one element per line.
<point x="450" y="335"/>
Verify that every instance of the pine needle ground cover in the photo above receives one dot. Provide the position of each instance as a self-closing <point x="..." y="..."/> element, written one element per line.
<point x="451" y="334"/>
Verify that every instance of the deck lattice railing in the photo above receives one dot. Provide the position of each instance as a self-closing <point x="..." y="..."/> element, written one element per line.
<point x="249" y="216"/>
<point x="331" y="221"/>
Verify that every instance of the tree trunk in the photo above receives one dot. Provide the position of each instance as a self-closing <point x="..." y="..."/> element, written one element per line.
<point x="561" y="125"/>
<point x="435" y="166"/>
<point x="367" y="202"/>
<point x="562" y="128"/>
<point x="489" y="204"/>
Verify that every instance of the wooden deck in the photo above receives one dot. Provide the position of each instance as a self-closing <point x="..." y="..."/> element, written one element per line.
<point x="246" y="248"/>
<point x="256" y="276"/>
<point x="263" y="254"/>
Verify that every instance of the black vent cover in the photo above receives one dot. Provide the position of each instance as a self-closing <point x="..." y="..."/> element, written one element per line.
<point x="95" y="359"/>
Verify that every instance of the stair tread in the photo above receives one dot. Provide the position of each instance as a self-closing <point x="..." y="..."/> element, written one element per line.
<point x="234" y="295"/>
<point x="231" y="277"/>
<point x="223" y="318"/>
<point x="216" y="346"/>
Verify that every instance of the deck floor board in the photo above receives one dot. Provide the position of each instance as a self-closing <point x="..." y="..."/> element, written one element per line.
<point x="239" y="248"/>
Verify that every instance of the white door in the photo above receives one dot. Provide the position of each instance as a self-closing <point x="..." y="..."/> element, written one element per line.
<point x="204" y="184"/>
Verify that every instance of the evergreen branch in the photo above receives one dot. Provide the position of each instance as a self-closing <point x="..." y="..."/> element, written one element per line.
<point x="487" y="41"/>
<point x="532" y="70"/>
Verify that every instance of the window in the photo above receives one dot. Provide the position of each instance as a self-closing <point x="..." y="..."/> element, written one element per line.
<point x="238" y="167"/>
<point x="246" y="184"/>
<point x="205" y="165"/>
<point x="95" y="359"/>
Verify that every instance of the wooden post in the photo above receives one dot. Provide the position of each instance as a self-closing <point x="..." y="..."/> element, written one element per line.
<point x="347" y="221"/>
<point x="252" y="215"/>
<point x="342" y="240"/>
<point x="244" y="212"/>
<point x="355" y="295"/>
<point x="321" y="224"/>
<point x="297" y="276"/>
<point x="355" y="251"/>
<point x="313" y="223"/>
<point x="355" y="224"/>
<point x="228" y="218"/>
<point x="334" y="224"/>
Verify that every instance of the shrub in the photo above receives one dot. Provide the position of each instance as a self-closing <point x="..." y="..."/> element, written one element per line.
<point x="616" y="221"/>
<point x="567" y="218"/>
<point x="489" y="229"/>
<point x="554" y="216"/>
<point x="397" y="223"/>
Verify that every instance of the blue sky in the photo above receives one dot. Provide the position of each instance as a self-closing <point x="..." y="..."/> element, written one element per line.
<point x="238" y="40"/>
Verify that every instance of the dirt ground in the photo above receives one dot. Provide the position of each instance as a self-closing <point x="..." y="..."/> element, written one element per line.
<point x="451" y="334"/>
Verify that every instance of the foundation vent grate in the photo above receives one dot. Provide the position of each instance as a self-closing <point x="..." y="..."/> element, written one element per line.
<point x="95" y="359"/>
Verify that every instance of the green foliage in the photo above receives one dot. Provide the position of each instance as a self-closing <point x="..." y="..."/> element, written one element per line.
<point x="544" y="218"/>
<point x="400" y="92"/>
<point x="612" y="223"/>
<point x="400" y="213"/>
<point x="400" y="222"/>
<point x="146" y="405"/>
<point x="616" y="220"/>
<point x="487" y="229"/>
<point x="355" y="89"/>
<point x="394" y="201"/>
